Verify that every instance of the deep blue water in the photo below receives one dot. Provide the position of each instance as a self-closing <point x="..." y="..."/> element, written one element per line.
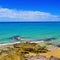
<point x="33" y="30"/>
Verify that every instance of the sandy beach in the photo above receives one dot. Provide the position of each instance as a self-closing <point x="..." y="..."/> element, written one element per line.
<point x="20" y="51"/>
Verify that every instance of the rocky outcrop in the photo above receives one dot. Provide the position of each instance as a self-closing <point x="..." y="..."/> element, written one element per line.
<point x="16" y="38"/>
<point x="53" y="58"/>
<point x="37" y="57"/>
<point x="25" y="51"/>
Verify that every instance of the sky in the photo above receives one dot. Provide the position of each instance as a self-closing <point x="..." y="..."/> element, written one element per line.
<point x="29" y="10"/>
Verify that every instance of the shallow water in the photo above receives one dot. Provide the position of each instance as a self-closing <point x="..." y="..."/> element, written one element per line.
<point x="33" y="30"/>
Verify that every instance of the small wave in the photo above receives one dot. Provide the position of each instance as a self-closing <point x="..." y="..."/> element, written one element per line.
<point x="4" y="44"/>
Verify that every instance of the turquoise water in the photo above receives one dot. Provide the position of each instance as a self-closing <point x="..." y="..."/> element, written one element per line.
<point x="33" y="30"/>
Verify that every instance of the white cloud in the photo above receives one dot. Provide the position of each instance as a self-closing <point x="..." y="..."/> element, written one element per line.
<point x="27" y="15"/>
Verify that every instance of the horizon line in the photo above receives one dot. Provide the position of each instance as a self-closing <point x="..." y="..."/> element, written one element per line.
<point x="26" y="21"/>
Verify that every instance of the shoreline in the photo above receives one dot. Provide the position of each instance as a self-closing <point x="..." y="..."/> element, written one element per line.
<point x="11" y="43"/>
<point x="5" y="44"/>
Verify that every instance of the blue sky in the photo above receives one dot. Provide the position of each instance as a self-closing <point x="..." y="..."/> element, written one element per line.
<point x="29" y="10"/>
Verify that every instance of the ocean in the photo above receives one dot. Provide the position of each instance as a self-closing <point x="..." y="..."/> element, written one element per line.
<point x="31" y="30"/>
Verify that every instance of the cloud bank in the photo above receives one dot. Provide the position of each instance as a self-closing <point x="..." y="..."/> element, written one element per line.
<point x="27" y="15"/>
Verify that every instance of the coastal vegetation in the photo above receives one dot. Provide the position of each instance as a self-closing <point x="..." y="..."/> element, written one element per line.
<point x="22" y="51"/>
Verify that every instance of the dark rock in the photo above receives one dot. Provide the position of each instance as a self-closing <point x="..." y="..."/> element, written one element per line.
<point x="37" y="57"/>
<point x="16" y="38"/>
<point x="48" y="39"/>
<point x="53" y="58"/>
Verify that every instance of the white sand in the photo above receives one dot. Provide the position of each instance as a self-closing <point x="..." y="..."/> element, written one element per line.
<point x="9" y="43"/>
